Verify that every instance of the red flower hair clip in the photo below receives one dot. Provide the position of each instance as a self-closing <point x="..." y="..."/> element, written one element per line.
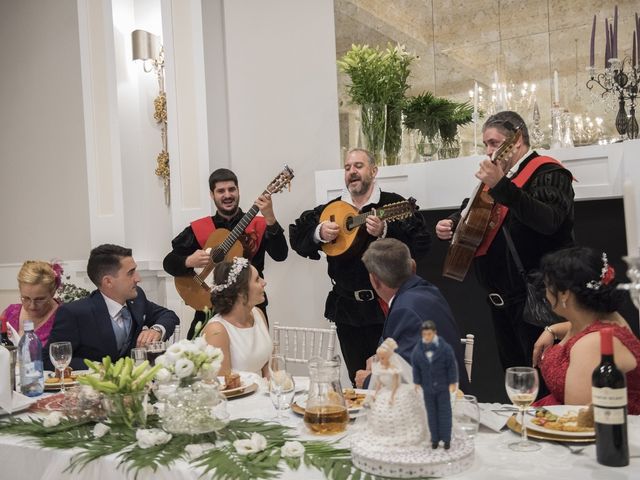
<point x="607" y="275"/>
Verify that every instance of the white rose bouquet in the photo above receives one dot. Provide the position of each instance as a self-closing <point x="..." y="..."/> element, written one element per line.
<point x="189" y="360"/>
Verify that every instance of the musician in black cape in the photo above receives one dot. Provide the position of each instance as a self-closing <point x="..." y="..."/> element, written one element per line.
<point x="262" y="234"/>
<point x="534" y="204"/>
<point x="352" y="304"/>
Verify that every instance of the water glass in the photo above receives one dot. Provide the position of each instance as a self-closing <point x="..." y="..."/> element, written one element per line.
<point x="139" y="355"/>
<point x="60" y="354"/>
<point x="281" y="391"/>
<point x="466" y="416"/>
<point x="521" y="384"/>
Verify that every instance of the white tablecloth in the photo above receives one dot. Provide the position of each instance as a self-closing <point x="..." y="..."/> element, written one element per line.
<point x="22" y="459"/>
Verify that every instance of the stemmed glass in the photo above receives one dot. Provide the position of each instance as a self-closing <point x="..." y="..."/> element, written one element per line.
<point x="466" y="415"/>
<point x="522" y="387"/>
<point x="281" y="385"/>
<point x="60" y="354"/>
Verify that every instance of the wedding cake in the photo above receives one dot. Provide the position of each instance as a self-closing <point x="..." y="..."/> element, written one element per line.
<point x="392" y="439"/>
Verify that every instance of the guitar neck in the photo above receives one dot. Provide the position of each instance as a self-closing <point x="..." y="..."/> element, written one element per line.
<point x="238" y="229"/>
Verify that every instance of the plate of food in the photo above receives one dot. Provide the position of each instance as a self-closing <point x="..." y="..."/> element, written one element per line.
<point x="52" y="379"/>
<point x="234" y="385"/>
<point x="573" y="421"/>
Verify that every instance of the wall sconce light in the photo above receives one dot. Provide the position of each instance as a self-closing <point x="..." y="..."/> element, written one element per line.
<point x="147" y="47"/>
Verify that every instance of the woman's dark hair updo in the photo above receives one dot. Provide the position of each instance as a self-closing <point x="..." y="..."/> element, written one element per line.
<point x="576" y="267"/>
<point x="223" y="301"/>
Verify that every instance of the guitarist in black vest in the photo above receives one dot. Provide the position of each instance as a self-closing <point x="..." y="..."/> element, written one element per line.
<point x="263" y="234"/>
<point x="352" y="303"/>
<point x="534" y="203"/>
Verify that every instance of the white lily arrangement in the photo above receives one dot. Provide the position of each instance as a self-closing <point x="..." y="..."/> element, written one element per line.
<point x="188" y="360"/>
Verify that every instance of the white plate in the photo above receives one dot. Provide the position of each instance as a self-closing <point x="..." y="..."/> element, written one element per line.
<point x="559" y="410"/>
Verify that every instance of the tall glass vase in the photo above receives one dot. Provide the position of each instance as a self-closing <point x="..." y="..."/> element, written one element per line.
<point x="393" y="135"/>
<point x="373" y="121"/>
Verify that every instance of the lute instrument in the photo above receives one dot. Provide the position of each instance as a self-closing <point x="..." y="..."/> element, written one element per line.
<point x="351" y="236"/>
<point x="474" y="221"/>
<point x="222" y="244"/>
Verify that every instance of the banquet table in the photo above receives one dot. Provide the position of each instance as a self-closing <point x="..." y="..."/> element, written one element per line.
<point x="21" y="458"/>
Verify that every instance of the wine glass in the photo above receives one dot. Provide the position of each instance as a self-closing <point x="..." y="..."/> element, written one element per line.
<point x="521" y="384"/>
<point x="466" y="415"/>
<point x="281" y="385"/>
<point x="60" y="354"/>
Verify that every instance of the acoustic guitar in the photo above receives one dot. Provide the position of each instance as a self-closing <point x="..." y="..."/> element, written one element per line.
<point x="221" y="245"/>
<point x="349" y="241"/>
<point x="474" y="221"/>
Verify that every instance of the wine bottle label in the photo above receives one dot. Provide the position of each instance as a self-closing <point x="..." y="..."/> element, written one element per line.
<point x="608" y="416"/>
<point x="609" y="397"/>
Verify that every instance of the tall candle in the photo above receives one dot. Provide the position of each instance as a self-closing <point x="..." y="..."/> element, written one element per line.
<point x="633" y="57"/>
<point x="475" y="100"/>
<point x="593" y="42"/>
<point x="556" y="93"/>
<point x="615" y="32"/>
<point x="630" y="217"/>
<point x="607" y="45"/>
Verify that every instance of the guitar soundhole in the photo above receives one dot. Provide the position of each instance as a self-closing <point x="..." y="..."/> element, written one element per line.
<point x="218" y="256"/>
<point x="349" y="224"/>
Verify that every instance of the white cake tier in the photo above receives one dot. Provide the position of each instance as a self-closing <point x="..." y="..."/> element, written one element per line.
<point x="405" y="461"/>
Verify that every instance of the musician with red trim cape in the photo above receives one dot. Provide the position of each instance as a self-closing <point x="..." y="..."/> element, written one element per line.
<point x="352" y="304"/>
<point x="262" y="234"/>
<point x="534" y="202"/>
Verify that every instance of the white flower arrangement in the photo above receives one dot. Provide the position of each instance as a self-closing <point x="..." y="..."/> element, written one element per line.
<point x="292" y="449"/>
<point x="187" y="360"/>
<point x="53" y="419"/>
<point x="255" y="444"/>
<point x="152" y="437"/>
<point x="100" y="430"/>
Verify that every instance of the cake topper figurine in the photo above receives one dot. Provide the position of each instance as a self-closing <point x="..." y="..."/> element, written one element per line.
<point x="436" y="371"/>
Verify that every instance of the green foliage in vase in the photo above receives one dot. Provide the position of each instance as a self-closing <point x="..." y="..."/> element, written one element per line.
<point x="379" y="81"/>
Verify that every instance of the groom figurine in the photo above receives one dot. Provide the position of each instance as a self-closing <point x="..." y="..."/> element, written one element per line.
<point x="435" y="369"/>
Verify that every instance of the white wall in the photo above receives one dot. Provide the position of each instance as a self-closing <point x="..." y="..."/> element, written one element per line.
<point x="283" y="108"/>
<point x="43" y="188"/>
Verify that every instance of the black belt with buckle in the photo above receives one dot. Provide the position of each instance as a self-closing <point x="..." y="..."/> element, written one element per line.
<point x="358" y="295"/>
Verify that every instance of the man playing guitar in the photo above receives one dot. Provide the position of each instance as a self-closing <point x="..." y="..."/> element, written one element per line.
<point x="352" y="304"/>
<point x="263" y="234"/>
<point x="534" y="202"/>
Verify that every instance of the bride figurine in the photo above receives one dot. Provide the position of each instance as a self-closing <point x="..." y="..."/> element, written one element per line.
<point x="395" y="415"/>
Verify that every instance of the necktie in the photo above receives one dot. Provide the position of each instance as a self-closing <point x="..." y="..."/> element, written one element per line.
<point x="122" y="328"/>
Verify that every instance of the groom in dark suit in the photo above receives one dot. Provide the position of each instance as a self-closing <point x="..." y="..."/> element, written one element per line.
<point x="113" y="319"/>
<point x="411" y="299"/>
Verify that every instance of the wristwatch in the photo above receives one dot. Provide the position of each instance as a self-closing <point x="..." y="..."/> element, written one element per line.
<point x="157" y="329"/>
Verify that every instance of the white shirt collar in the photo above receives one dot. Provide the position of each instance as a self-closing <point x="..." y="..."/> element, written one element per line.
<point x="113" y="307"/>
<point x="374" y="198"/>
<point x="391" y="300"/>
<point x="514" y="169"/>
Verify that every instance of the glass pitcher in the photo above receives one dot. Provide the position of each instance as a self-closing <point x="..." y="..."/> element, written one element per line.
<point x="326" y="410"/>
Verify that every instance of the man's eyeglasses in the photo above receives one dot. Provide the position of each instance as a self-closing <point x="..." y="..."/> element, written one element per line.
<point x="36" y="302"/>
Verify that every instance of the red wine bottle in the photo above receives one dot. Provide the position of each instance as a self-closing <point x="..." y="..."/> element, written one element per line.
<point x="609" y="396"/>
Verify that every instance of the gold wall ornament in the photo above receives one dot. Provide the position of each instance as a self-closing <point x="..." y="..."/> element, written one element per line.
<point x="146" y="47"/>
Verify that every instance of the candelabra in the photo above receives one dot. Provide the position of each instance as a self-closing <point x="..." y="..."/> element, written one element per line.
<point x="624" y="84"/>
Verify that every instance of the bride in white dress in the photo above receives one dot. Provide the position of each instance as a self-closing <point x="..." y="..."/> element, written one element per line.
<point x="239" y="329"/>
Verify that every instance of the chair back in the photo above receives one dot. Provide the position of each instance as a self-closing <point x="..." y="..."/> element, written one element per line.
<point x="468" y="342"/>
<point x="299" y="344"/>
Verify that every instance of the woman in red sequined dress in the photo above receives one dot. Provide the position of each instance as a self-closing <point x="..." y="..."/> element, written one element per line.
<point x="580" y="287"/>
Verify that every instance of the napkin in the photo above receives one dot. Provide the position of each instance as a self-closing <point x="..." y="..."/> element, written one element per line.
<point x="5" y="381"/>
<point x="495" y="420"/>
<point x="14" y="336"/>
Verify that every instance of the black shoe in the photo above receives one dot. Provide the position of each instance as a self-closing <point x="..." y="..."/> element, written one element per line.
<point x="447" y="445"/>
<point x="434" y="445"/>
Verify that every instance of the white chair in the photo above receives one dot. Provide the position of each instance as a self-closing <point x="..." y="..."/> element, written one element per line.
<point x="468" y="342"/>
<point x="299" y="344"/>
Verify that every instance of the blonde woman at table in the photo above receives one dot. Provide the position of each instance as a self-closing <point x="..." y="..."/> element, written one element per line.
<point x="37" y="283"/>
<point x="580" y="287"/>
<point x="239" y="329"/>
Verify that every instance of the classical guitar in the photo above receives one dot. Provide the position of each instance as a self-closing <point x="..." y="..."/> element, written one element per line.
<point x="223" y="244"/>
<point x="350" y="221"/>
<point x="474" y="221"/>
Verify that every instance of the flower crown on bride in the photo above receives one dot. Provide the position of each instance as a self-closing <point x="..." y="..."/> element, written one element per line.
<point x="239" y="264"/>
